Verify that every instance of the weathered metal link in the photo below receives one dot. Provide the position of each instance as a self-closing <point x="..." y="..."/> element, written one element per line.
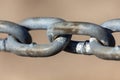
<point x="59" y="32"/>
<point x="17" y="31"/>
<point x="38" y="50"/>
<point x="81" y="28"/>
<point x="111" y="53"/>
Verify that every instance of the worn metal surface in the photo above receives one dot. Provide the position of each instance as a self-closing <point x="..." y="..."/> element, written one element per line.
<point x="59" y="32"/>
<point x="82" y="28"/>
<point x="36" y="50"/>
<point x="33" y="49"/>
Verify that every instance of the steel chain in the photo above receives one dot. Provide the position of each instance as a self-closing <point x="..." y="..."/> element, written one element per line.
<point x="59" y="32"/>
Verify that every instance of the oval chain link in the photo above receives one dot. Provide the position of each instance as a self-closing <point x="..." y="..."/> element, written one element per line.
<point x="59" y="32"/>
<point x="110" y="53"/>
<point x="38" y="50"/>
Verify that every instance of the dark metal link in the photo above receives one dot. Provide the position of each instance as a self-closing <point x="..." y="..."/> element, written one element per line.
<point x="78" y="47"/>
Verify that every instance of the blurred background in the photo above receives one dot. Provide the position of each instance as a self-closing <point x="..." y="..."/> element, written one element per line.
<point x="63" y="66"/>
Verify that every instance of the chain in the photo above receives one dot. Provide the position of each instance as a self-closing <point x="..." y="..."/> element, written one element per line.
<point x="59" y="32"/>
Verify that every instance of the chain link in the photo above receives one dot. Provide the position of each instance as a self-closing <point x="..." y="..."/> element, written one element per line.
<point x="59" y="32"/>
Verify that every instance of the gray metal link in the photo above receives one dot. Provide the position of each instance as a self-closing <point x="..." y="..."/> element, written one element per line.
<point x="81" y="28"/>
<point x="110" y="53"/>
<point x="59" y="32"/>
<point x="38" y="50"/>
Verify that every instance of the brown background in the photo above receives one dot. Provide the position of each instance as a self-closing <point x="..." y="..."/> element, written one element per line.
<point x="64" y="66"/>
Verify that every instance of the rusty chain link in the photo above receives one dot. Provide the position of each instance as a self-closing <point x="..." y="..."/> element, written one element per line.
<point x="59" y="32"/>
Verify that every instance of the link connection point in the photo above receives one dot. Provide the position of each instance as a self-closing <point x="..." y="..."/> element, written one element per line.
<point x="59" y="32"/>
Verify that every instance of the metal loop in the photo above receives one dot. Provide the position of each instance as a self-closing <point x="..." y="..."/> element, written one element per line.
<point x="111" y="53"/>
<point x="80" y="28"/>
<point x="15" y="30"/>
<point x="38" y="50"/>
<point x="59" y="31"/>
